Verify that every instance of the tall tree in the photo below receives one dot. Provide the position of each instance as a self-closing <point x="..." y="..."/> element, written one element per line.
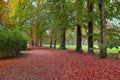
<point x="79" y="25"/>
<point x="103" y="51"/>
<point x="40" y="14"/>
<point x="63" y="26"/>
<point x="90" y="27"/>
<point x="60" y="15"/>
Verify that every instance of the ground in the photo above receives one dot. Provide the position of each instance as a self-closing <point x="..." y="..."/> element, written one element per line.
<point x="51" y="64"/>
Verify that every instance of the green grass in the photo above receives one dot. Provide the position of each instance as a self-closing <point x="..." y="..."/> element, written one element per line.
<point x="113" y="50"/>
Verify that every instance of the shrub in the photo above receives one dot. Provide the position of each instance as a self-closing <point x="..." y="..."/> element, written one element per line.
<point x="11" y="43"/>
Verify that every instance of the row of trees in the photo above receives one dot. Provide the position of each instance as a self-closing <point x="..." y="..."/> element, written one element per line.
<point x="53" y="19"/>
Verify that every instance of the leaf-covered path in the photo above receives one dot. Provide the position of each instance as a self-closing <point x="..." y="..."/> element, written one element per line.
<point x="50" y="64"/>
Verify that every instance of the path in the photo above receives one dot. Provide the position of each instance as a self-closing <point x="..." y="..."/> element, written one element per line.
<point x="50" y="64"/>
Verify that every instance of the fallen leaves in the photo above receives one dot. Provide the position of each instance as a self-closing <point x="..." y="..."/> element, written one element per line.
<point x="50" y="64"/>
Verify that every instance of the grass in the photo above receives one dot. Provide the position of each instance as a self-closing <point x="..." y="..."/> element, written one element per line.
<point x="113" y="50"/>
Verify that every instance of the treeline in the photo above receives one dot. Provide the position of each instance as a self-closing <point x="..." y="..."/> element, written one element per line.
<point x="56" y="20"/>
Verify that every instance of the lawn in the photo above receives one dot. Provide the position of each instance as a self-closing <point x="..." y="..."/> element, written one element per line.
<point x="113" y="50"/>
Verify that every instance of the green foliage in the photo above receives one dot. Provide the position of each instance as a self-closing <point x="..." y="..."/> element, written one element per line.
<point x="11" y="43"/>
<point x="113" y="38"/>
<point x="102" y="55"/>
<point x="57" y="16"/>
<point x="114" y="43"/>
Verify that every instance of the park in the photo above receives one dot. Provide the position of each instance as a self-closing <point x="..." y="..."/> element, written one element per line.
<point x="59" y="40"/>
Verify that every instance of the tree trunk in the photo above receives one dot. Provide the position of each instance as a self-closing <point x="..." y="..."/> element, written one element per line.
<point x="31" y="33"/>
<point x="32" y="42"/>
<point x="51" y="40"/>
<point x="90" y="29"/>
<point x="103" y="51"/>
<point x="55" y="42"/>
<point x="41" y="45"/>
<point x="63" y="38"/>
<point x="79" y="39"/>
<point x="37" y="42"/>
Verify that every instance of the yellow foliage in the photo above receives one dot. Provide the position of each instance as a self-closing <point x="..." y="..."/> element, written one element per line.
<point x="2" y="8"/>
<point x="13" y="6"/>
<point x="4" y="15"/>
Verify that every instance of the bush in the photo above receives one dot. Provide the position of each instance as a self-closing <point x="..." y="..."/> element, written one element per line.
<point x="11" y="43"/>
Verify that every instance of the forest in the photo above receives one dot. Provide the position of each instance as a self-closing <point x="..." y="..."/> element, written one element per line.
<point x="90" y="28"/>
<point x="60" y="22"/>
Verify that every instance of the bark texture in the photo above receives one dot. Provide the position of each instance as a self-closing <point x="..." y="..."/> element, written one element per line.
<point x="90" y="28"/>
<point x="103" y="51"/>
<point x="79" y="39"/>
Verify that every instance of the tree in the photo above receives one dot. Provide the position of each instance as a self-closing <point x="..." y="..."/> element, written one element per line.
<point x="103" y="52"/>
<point x="37" y="17"/>
<point x="90" y="27"/>
<point x="63" y="26"/>
<point x="41" y="21"/>
<point x="79" y="25"/>
<point x="60" y="19"/>
<point x="51" y="39"/>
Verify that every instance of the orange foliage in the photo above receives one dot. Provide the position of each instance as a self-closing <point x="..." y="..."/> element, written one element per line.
<point x="4" y="13"/>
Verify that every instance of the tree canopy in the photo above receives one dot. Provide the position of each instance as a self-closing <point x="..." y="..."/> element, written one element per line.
<point x="64" y="21"/>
